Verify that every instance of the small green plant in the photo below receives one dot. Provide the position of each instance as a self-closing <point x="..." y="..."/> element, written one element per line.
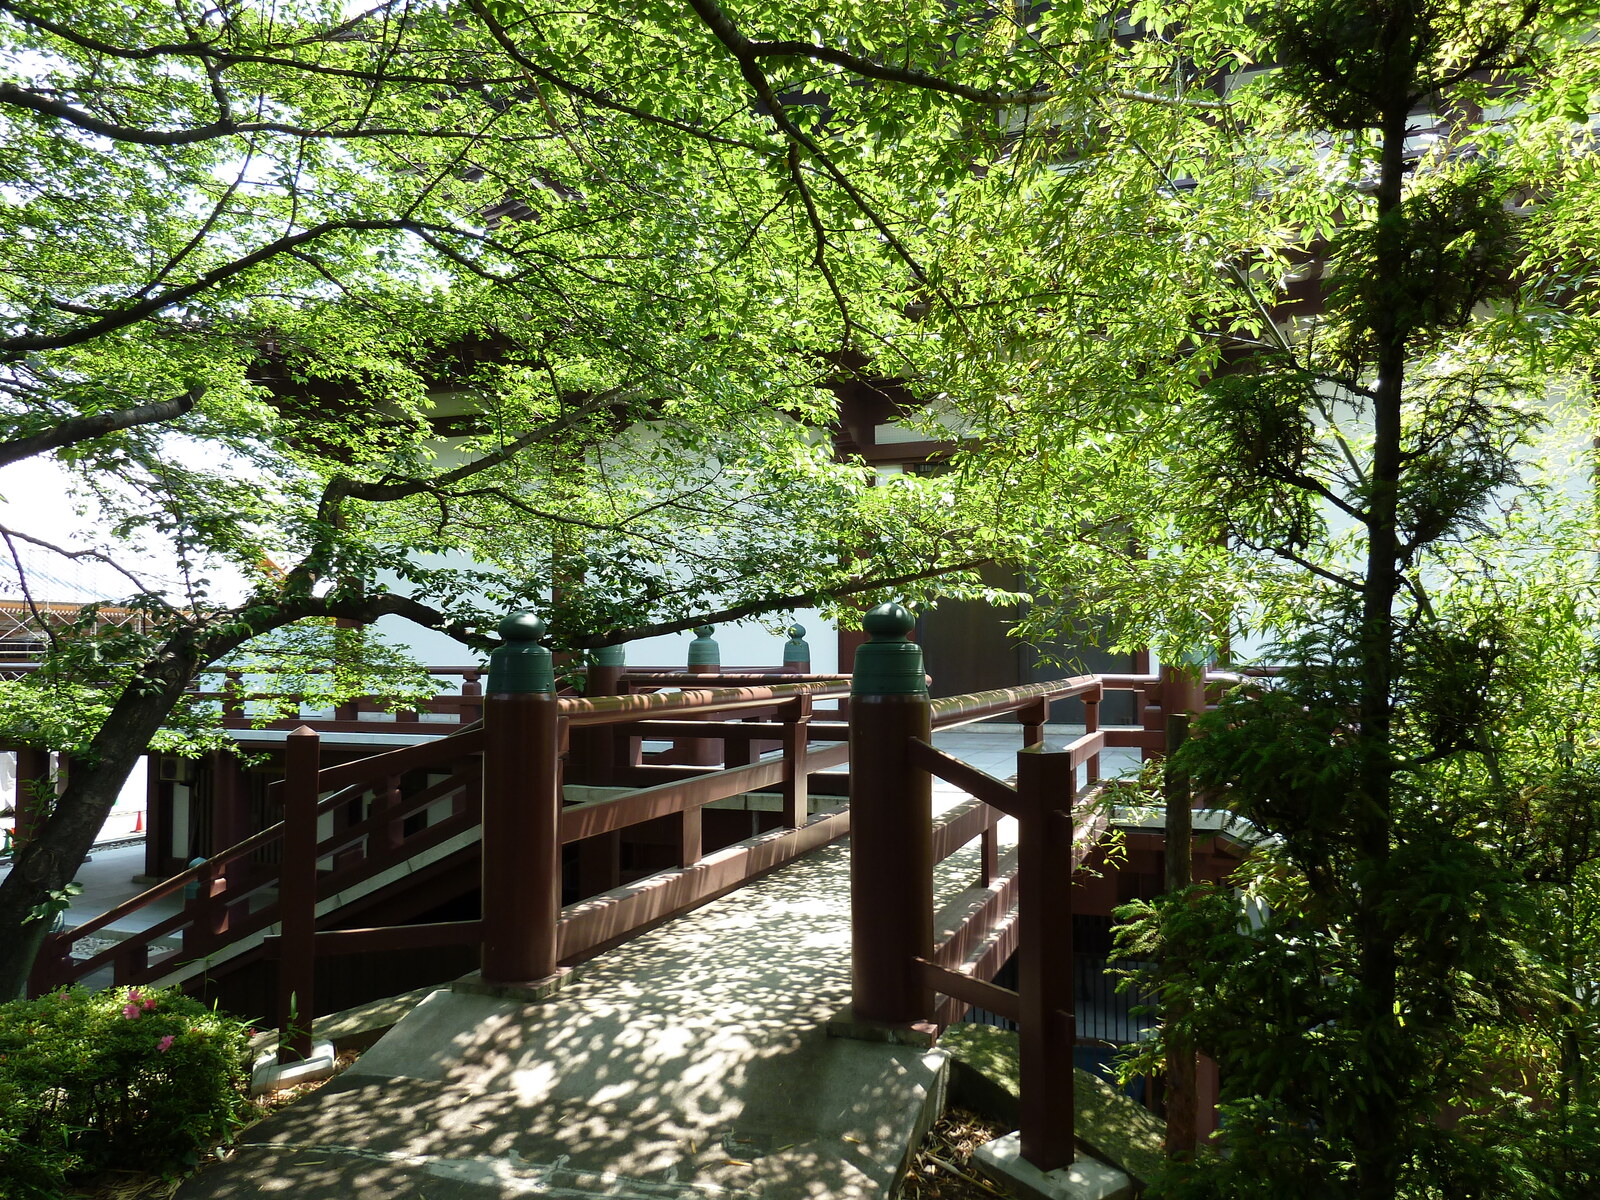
<point x="130" y="1078"/>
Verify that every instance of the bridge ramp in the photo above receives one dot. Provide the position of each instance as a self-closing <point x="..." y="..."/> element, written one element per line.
<point x="690" y="1062"/>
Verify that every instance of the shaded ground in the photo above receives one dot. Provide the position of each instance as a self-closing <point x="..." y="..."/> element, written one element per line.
<point x="941" y="1170"/>
<point x="140" y="1185"/>
<point x="942" y="1167"/>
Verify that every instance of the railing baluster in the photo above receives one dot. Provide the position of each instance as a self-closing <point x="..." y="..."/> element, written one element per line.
<point x="521" y="808"/>
<point x="1091" y="724"/>
<point x="690" y="844"/>
<point x="795" y="787"/>
<point x="988" y="855"/>
<point x="891" y="824"/>
<point x="390" y="800"/>
<point x="131" y="961"/>
<point x="705" y="658"/>
<point x="1046" y="786"/>
<point x="297" y="895"/>
<point x="1033" y="718"/>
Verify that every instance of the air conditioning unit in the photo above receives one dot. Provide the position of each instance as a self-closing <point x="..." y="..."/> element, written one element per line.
<point x="172" y="768"/>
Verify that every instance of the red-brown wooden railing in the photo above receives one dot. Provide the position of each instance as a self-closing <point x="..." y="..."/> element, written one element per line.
<point x="235" y="704"/>
<point x="525" y="933"/>
<point x="900" y="976"/>
<point x="227" y="901"/>
<point x="230" y="895"/>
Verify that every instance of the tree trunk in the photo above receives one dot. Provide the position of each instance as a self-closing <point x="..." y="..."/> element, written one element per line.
<point x="61" y="843"/>
<point x="1376" y="1146"/>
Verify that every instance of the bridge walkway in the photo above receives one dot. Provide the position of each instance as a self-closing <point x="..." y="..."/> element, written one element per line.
<point x="692" y="1061"/>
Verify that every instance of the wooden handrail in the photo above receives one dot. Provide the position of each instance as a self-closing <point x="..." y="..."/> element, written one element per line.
<point x="957" y="710"/>
<point x="579" y="821"/>
<point x="395" y="762"/>
<point x="406" y="758"/>
<point x="619" y="710"/>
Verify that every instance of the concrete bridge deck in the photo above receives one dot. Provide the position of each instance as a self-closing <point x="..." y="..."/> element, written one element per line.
<point x="692" y="1061"/>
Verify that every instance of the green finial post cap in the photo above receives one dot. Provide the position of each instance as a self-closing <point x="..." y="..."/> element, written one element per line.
<point x="519" y="664"/>
<point x="795" y="650"/>
<point x="704" y="651"/>
<point x="610" y="656"/>
<point x="889" y="664"/>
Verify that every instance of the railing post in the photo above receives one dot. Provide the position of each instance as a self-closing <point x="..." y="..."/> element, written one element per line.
<point x="1091" y="724"/>
<point x="1033" y="719"/>
<point x="1182" y="690"/>
<point x="1182" y="1100"/>
<point x="1152" y="716"/>
<point x="471" y="698"/>
<point x="1046" y="786"/>
<point x="705" y="658"/>
<point x="593" y="759"/>
<point x="52" y="966"/>
<point x="297" y="895"/>
<point x="796" y="653"/>
<point x="891" y="823"/>
<point x="211" y="909"/>
<point x="521" y="808"/>
<point x="795" y="788"/>
<point x="194" y="933"/>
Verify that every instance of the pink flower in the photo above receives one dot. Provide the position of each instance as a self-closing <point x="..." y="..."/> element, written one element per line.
<point x="164" y="1044"/>
<point x="149" y="1004"/>
<point x="130" y="1011"/>
<point x="135" y="996"/>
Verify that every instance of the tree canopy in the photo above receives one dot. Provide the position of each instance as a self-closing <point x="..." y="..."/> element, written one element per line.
<point x="303" y="298"/>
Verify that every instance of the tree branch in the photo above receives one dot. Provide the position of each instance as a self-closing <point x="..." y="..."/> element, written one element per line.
<point x="14" y="348"/>
<point x="82" y="429"/>
<point x="728" y="33"/>
<point x="599" y="99"/>
<point x="387" y="491"/>
<point x="738" y="46"/>
<point x="10" y="93"/>
<point x="765" y="604"/>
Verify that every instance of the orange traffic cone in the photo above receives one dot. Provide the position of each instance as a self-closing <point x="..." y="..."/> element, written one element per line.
<point x="138" y="821"/>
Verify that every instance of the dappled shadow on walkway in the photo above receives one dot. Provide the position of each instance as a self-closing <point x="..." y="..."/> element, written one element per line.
<point x="691" y="1061"/>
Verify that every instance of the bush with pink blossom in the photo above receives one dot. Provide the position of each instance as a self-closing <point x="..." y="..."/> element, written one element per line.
<point x="126" y="1077"/>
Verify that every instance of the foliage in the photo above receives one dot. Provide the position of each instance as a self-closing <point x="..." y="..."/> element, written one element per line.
<point x="1337" y="447"/>
<point x="425" y="313"/>
<point x="127" y="1078"/>
<point x="1487" y="884"/>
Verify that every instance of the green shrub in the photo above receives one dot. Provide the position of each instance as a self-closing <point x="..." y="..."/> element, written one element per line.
<point x="127" y="1078"/>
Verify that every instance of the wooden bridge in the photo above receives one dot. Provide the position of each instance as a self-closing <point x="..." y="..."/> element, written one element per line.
<point x="537" y="796"/>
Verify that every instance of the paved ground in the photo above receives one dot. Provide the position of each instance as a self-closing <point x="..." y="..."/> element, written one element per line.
<point x="691" y="1062"/>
